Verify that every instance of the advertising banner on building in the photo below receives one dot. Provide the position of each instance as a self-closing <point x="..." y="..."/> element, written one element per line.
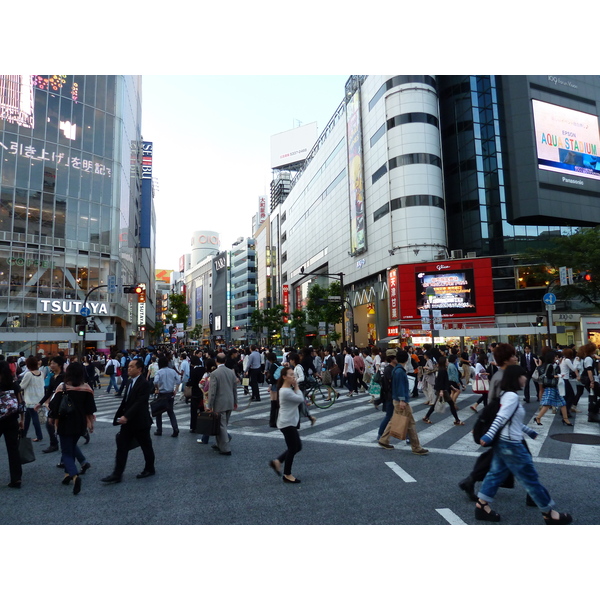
<point x="567" y="141"/>
<point x="358" y="225"/>
<point x="461" y="288"/>
<point x="286" y="298"/>
<point x="292" y="146"/>
<point x="146" y="200"/>
<point x="394" y="294"/>
<point x="199" y="300"/>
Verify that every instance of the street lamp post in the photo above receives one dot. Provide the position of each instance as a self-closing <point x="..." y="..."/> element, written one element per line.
<point x="430" y="293"/>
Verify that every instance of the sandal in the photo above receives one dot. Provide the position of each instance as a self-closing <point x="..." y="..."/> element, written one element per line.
<point x="483" y="515"/>
<point x="427" y="421"/>
<point x="473" y="408"/>
<point x="458" y="423"/>
<point x="563" y="518"/>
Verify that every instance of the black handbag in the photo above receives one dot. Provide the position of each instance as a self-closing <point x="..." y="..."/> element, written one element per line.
<point x="160" y="404"/>
<point x="208" y="423"/>
<point x="133" y="444"/>
<point x="26" y="453"/>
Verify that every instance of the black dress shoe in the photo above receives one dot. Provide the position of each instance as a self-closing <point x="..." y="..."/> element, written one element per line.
<point x="50" y="449"/>
<point x="158" y="433"/>
<point x="15" y="484"/>
<point x="175" y="434"/>
<point x="145" y="474"/>
<point x="84" y="468"/>
<point x="61" y="465"/>
<point x="225" y="453"/>
<point x="286" y="480"/>
<point x="86" y="437"/>
<point x="111" y="479"/>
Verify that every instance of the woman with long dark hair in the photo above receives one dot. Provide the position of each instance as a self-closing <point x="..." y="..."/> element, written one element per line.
<point x="442" y="391"/>
<point x="511" y="454"/>
<point x="10" y="424"/>
<point x="290" y="397"/>
<point x="73" y="408"/>
<point x="551" y="397"/>
<point x="480" y="368"/>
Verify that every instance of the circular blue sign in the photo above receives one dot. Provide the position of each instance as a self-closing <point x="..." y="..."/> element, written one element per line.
<point x="549" y="298"/>
<point x="85" y="312"/>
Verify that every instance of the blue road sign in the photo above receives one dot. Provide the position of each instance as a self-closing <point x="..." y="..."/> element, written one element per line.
<point x="549" y="298"/>
<point x="85" y="312"/>
<point x="112" y="284"/>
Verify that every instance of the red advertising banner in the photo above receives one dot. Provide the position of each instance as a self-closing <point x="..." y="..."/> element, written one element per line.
<point x="286" y="299"/>
<point x="393" y="331"/>
<point x="394" y="294"/>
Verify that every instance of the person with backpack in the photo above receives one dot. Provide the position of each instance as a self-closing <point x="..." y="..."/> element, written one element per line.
<point x="551" y="397"/>
<point x="111" y="370"/>
<point x="587" y="379"/>
<point x="511" y="455"/>
<point x="442" y="391"/>
<point x="273" y="375"/>
<point x="504" y="356"/>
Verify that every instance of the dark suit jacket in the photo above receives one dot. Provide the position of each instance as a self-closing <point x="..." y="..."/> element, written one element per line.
<point x="523" y="363"/>
<point x="135" y="406"/>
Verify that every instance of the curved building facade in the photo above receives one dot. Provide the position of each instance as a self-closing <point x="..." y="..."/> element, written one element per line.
<point x="70" y="211"/>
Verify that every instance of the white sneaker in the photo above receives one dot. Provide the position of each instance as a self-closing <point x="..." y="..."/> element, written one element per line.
<point x="199" y="440"/>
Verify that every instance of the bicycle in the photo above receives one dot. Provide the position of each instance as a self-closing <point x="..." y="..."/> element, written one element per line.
<point x="320" y="394"/>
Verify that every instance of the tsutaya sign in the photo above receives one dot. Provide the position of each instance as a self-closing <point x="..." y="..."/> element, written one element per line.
<point x="71" y="307"/>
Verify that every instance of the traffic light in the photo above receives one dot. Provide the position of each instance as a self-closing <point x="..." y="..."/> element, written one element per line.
<point x="140" y="290"/>
<point x="143" y="328"/>
<point x="81" y="330"/>
<point x="539" y="322"/>
<point x="583" y="276"/>
<point x="131" y="289"/>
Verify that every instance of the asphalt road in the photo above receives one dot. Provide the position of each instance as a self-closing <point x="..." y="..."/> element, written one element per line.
<point x="346" y="478"/>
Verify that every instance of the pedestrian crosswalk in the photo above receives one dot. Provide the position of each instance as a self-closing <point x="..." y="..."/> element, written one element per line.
<point x="353" y="421"/>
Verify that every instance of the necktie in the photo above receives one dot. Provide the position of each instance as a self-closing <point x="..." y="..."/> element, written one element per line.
<point x="127" y="390"/>
<point x="529" y="361"/>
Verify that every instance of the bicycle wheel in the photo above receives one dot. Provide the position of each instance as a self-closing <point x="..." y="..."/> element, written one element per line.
<point x="323" y="396"/>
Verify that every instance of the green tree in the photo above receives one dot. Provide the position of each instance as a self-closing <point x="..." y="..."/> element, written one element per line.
<point x="179" y="307"/>
<point x="298" y="322"/>
<point x="273" y="320"/>
<point x="318" y="307"/>
<point x="580" y="252"/>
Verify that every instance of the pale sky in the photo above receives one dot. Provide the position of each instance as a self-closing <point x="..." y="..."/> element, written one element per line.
<point x="212" y="141"/>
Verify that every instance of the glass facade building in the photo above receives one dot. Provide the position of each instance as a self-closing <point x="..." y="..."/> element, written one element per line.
<point x="70" y="210"/>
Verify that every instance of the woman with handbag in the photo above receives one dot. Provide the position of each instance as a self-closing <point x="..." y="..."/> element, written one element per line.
<point x="511" y="454"/>
<point x="551" y="397"/>
<point x="32" y="386"/>
<point x="290" y="398"/>
<point x="209" y="365"/>
<point x="74" y="407"/>
<point x="567" y="372"/>
<point x="442" y="392"/>
<point x="11" y="423"/>
<point x="481" y="377"/>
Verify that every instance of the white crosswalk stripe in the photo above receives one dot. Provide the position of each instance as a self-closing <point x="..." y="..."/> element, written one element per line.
<point x="353" y="421"/>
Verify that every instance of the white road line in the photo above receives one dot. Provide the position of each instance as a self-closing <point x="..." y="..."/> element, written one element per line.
<point x="583" y="452"/>
<point x="400" y="472"/>
<point x="451" y="517"/>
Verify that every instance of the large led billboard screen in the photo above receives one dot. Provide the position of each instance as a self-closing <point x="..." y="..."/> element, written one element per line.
<point x="462" y="288"/>
<point x="567" y="141"/>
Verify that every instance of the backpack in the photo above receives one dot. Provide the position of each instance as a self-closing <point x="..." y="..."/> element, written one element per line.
<point x="110" y="368"/>
<point x="485" y="420"/>
<point x="277" y="373"/>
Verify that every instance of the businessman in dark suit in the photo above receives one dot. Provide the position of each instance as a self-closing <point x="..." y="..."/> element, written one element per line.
<point x="134" y="417"/>
<point x="529" y="362"/>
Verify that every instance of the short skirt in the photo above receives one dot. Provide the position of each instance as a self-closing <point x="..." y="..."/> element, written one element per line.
<point x="551" y="397"/>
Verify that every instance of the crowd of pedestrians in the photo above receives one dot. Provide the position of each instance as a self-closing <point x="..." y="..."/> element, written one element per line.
<point x="58" y="391"/>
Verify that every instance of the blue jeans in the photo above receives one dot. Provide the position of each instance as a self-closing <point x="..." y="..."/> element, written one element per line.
<point x="514" y="457"/>
<point x="32" y="416"/>
<point x="112" y="383"/>
<point x="388" y="407"/>
<point x="68" y="445"/>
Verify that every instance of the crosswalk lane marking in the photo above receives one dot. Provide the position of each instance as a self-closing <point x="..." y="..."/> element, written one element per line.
<point x="450" y="516"/>
<point x="401" y="472"/>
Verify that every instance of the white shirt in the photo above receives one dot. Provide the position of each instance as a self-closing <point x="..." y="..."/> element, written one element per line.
<point x="348" y="364"/>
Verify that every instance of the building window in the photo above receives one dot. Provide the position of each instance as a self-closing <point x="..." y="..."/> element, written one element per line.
<point x="378" y="174"/>
<point x="283" y="257"/>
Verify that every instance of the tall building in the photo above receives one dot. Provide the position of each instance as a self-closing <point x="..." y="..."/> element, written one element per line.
<point x="422" y="190"/>
<point x="73" y="215"/>
<point x="243" y="287"/>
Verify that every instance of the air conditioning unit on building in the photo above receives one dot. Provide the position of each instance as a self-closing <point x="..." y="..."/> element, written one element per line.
<point x="456" y="253"/>
<point x="471" y="254"/>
